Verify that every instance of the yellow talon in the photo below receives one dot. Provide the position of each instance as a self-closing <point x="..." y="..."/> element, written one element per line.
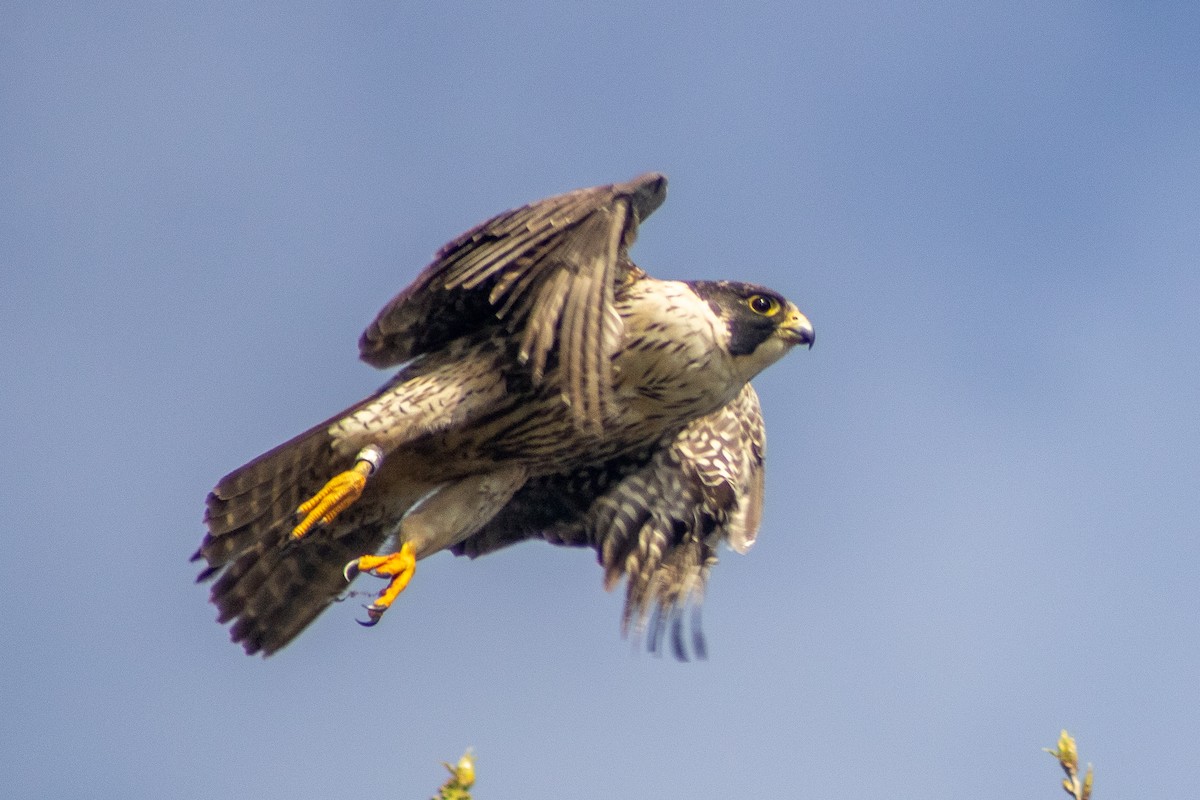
<point x="335" y="497"/>
<point x="399" y="567"/>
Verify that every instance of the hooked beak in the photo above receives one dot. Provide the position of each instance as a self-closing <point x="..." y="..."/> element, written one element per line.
<point x="796" y="329"/>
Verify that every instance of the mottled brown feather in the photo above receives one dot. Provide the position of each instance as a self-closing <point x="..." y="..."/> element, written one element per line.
<point x="547" y="271"/>
<point x="655" y="516"/>
<point x="271" y="586"/>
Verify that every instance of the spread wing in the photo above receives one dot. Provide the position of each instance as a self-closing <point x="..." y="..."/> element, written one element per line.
<point x="547" y="271"/>
<point x="655" y="517"/>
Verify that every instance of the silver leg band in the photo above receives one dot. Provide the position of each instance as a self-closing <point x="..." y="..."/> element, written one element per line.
<point x="372" y="455"/>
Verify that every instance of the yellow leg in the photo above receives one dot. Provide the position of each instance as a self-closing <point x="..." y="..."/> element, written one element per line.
<point x="398" y="566"/>
<point x="339" y="493"/>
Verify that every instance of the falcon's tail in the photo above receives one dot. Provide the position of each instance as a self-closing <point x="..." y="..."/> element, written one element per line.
<point x="269" y="584"/>
<point x="272" y="584"/>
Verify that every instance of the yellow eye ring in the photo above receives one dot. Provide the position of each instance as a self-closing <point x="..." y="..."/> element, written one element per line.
<point x="763" y="305"/>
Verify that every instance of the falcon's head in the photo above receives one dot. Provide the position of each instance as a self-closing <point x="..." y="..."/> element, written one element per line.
<point x="762" y="325"/>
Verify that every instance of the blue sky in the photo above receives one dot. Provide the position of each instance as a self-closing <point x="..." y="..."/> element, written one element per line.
<point x="984" y="481"/>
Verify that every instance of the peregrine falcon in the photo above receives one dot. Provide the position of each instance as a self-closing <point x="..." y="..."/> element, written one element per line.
<point x="548" y="388"/>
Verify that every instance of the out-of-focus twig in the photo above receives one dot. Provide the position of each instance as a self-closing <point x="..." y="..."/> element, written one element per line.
<point x="1068" y="758"/>
<point x="462" y="778"/>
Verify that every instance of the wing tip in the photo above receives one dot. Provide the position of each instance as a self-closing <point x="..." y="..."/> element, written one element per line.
<point x="646" y="192"/>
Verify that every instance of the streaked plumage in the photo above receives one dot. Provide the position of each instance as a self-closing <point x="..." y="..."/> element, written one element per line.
<point x="548" y="388"/>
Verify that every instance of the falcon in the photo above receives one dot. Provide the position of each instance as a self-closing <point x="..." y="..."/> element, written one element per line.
<point x="549" y="389"/>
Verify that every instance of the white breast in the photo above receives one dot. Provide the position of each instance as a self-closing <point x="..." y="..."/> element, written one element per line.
<point x="674" y="360"/>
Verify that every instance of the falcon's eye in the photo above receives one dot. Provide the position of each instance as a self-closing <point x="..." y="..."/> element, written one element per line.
<point x="763" y="304"/>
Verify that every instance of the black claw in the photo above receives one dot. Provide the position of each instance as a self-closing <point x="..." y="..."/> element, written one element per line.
<point x="350" y="571"/>
<point x="375" y="613"/>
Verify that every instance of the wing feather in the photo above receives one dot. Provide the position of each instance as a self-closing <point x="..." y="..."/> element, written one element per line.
<point x="546" y="271"/>
<point x="655" y="517"/>
<point x="543" y="324"/>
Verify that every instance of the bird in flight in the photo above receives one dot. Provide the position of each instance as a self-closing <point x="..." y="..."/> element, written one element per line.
<point x="549" y="389"/>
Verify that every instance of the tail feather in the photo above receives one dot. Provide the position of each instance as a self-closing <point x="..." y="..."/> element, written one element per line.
<point x="269" y="585"/>
<point x="272" y="485"/>
<point x="284" y="589"/>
